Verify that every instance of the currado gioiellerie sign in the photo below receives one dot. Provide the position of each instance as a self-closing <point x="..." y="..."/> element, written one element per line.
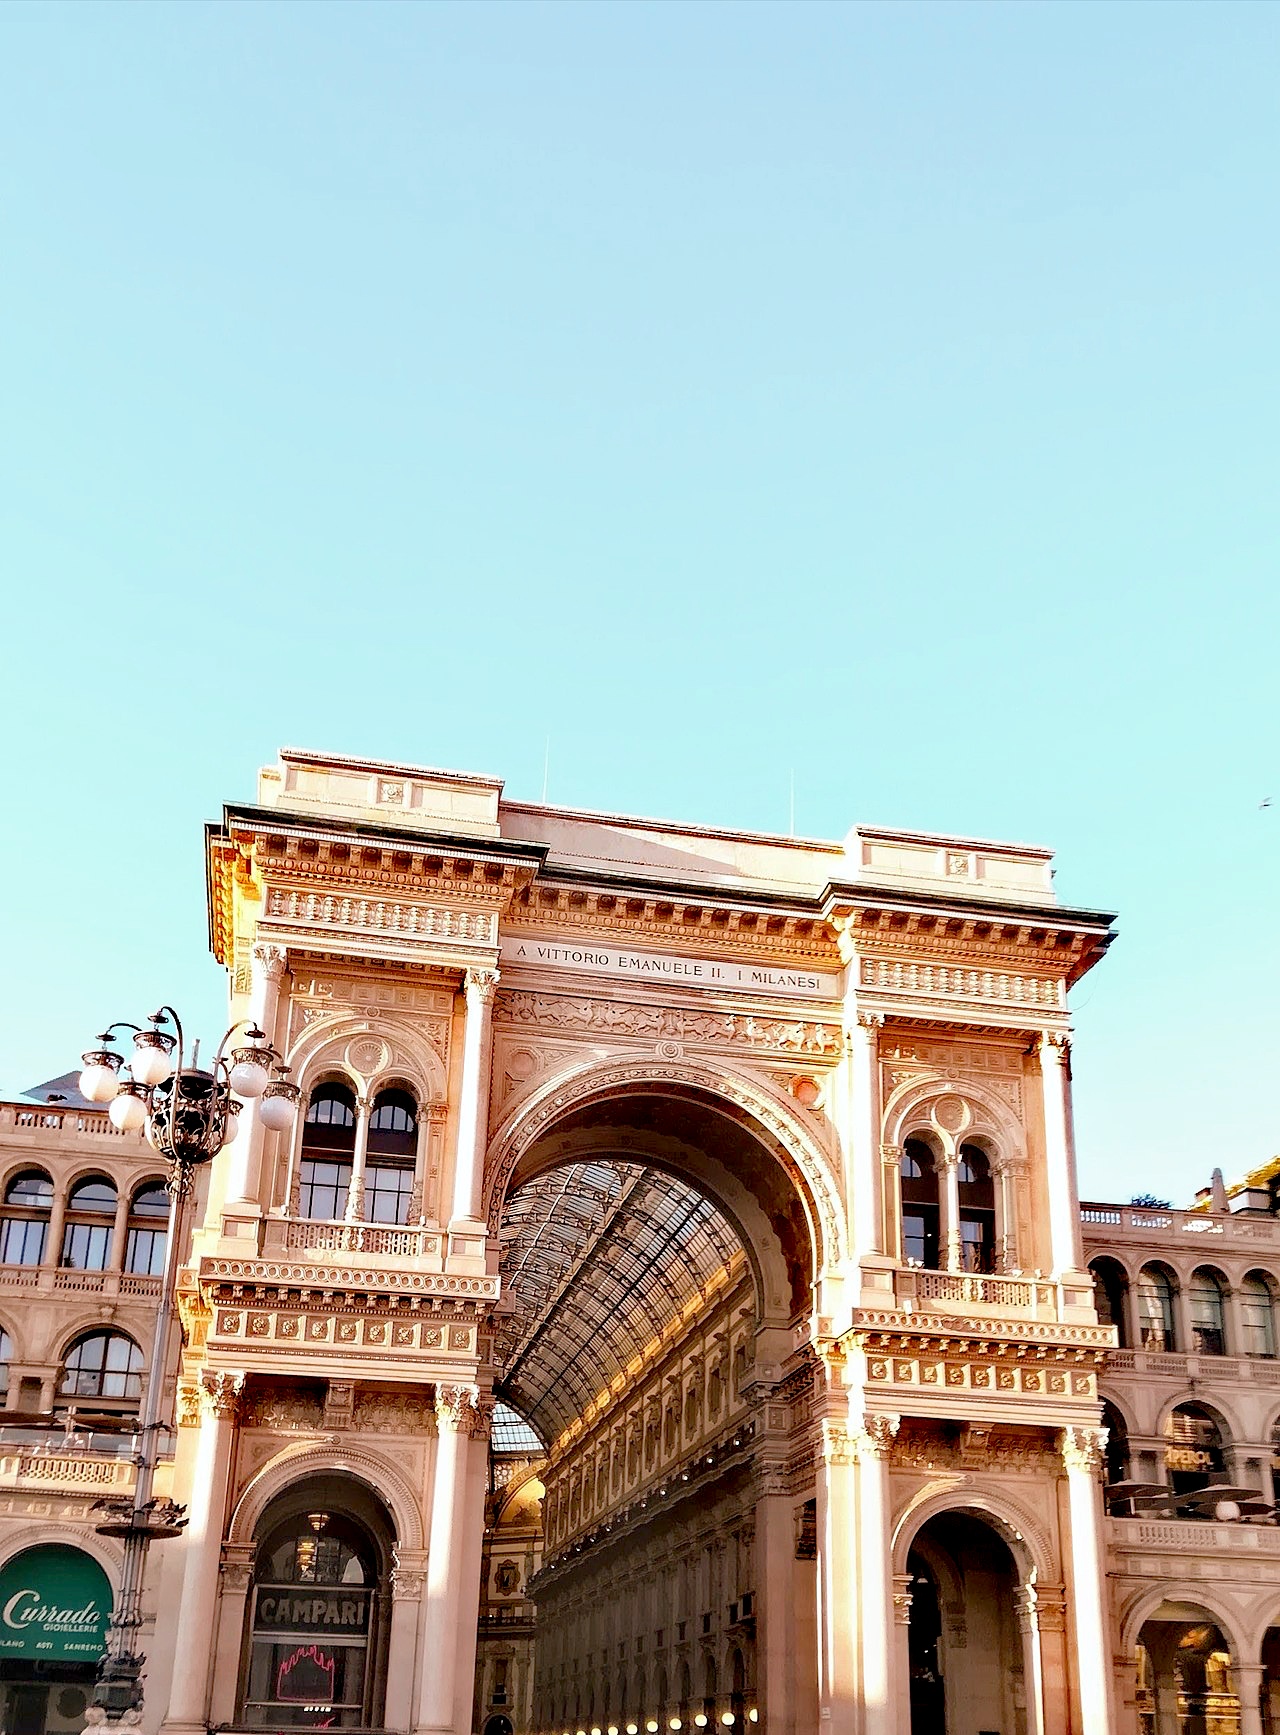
<point x="54" y="1603"/>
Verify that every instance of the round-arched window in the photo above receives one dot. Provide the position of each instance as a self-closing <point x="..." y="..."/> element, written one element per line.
<point x="1195" y="1455"/>
<point x="102" y="1364"/>
<point x="919" y="1182"/>
<point x="977" y="1209"/>
<point x="148" y="1230"/>
<point x="328" y="1145"/>
<point x="28" y="1199"/>
<point x="1208" y="1313"/>
<point x="319" y="1582"/>
<point x="1257" y="1316"/>
<point x="393" y="1144"/>
<point x="1155" y="1308"/>
<point x="91" y="1214"/>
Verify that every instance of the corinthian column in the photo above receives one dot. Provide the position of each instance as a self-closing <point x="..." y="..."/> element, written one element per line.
<point x="1082" y="1453"/>
<point x="837" y="1580"/>
<point x="473" y="1109"/>
<point x="1059" y="1152"/>
<point x="244" y="1168"/>
<point x="202" y="1549"/>
<point x="867" y="1229"/>
<point x="457" y="1414"/>
<point x="876" y="1637"/>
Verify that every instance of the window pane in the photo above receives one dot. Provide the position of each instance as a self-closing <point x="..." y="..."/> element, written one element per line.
<point x="30" y="1189"/>
<point x="144" y="1254"/>
<point x="324" y="1188"/>
<point x="105" y="1364"/>
<point x="387" y="1193"/>
<point x="22" y="1241"/>
<point x="95" y="1195"/>
<point x="86" y="1246"/>
<point x="151" y="1201"/>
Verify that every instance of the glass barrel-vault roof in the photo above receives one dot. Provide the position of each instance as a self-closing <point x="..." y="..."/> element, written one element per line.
<point x="598" y="1258"/>
<point x="511" y="1433"/>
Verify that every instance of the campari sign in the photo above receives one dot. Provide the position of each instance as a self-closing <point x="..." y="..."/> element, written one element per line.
<point x="54" y="1604"/>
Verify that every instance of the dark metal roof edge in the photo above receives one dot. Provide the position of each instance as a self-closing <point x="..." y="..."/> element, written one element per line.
<point x="442" y="843"/>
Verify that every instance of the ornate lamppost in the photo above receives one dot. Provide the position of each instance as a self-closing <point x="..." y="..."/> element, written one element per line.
<point x="188" y="1113"/>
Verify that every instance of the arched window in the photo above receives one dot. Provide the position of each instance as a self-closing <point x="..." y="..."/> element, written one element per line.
<point x="393" y="1145"/>
<point x="1194" y="1454"/>
<point x="1155" y="1308"/>
<point x="28" y="1199"/>
<point x="1257" y="1316"/>
<point x="919" y="1204"/>
<point x="328" y="1141"/>
<point x="316" y="1615"/>
<point x="1109" y="1287"/>
<point x="6" y="1356"/>
<point x="977" y="1210"/>
<point x="91" y="1212"/>
<point x="1208" y="1313"/>
<point x="102" y="1364"/>
<point x="148" y="1230"/>
<point x="1117" y="1448"/>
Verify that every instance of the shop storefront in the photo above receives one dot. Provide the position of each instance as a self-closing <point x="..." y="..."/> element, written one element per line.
<point x="55" y="1603"/>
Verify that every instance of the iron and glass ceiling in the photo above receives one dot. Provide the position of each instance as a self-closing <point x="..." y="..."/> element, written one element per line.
<point x="598" y="1258"/>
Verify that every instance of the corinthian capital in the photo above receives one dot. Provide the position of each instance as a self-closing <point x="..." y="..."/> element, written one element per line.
<point x="270" y="960"/>
<point x="457" y="1408"/>
<point x="876" y="1435"/>
<point x="1084" y="1449"/>
<point x="220" y="1394"/>
<point x="1055" y="1045"/>
<point x="481" y="985"/>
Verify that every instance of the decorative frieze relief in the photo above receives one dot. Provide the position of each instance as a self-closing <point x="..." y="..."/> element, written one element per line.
<point x="947" y="981"/>
<point x="284" y="1411"/>
<point x="667" y="1023"/>
<point x="998" y="1070"/>
<point x="378" y="1412"/>
<point x="976" y="1449"/>
<point x="313" y="1333"/>
<point x="1001" y="1369"/>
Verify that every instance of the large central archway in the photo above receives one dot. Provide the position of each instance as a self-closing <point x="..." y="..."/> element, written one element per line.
<point x="660" y="1244"/>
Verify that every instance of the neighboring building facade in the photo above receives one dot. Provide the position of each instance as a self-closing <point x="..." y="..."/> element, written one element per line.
<point x="1192" y="1401"/>
<point x="741" y="1169"/>
<point x="82" y="1229"/>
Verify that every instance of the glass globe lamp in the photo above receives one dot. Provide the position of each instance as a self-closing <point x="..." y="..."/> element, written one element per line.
<point x="249" y="1075"/>
<point x="128" y="1108"/>
<point x="152" y="1062"/>
<point x="99" y="1081"/>
<point x="278" y="1106"/>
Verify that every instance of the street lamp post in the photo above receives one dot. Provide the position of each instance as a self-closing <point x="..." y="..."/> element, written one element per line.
<point x="188" y="1114"/>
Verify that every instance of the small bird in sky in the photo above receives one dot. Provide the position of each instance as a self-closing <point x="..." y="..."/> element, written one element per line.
<point x="1266" y="803"/>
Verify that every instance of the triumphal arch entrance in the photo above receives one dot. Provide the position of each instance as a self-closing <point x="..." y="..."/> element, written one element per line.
<point x="668" y="1311"/>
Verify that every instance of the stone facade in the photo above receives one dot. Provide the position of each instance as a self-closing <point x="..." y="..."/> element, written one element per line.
<point x="743" y="1168"/>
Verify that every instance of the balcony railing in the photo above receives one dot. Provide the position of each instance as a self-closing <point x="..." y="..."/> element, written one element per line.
<point x="1105" y="1222"/>
<point x="73" y="1469"/>
<point x="302" y="1237"/>
<point x="944" y="1291"/>
<point x="1171" y="1364"/>
<point x="1193" y="1536"/>
<point x="53" y="1280"/>
<point x="42" y="1122"/>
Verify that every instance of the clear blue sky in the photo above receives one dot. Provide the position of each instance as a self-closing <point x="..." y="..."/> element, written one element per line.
<point x="884" y="392"/>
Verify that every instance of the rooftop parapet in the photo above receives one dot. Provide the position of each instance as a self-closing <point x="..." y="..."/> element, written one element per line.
<point x="389" y="795"/>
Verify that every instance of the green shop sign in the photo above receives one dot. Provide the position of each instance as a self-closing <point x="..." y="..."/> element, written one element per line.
<point x="54" y="1604"/>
